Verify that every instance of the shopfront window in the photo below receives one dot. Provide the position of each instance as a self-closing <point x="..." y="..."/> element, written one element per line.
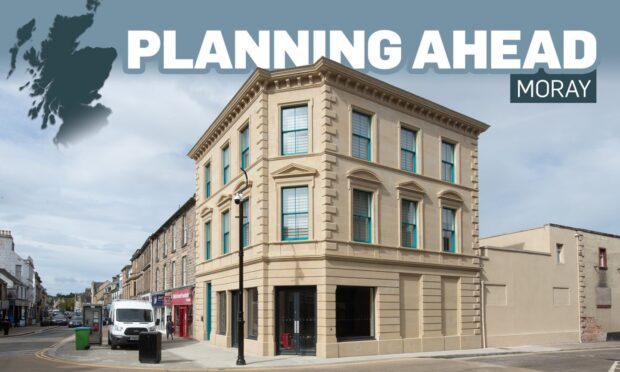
<point x="354" y="313"/>
<point x="252" y="313"/>
<point x="221" y="313"/>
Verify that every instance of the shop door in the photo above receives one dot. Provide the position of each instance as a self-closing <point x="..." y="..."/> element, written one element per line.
<point x="296" y="320"/>
<point x="182" y="321"/>
<point x="234" y="318"/>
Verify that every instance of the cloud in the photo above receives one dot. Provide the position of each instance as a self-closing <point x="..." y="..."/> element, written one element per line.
<point x="80" y="211"/>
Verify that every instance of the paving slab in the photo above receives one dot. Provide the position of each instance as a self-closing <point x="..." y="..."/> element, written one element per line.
<point x="186" y="354"/>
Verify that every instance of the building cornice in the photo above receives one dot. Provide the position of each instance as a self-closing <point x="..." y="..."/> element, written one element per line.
<point x="326" y="71"/>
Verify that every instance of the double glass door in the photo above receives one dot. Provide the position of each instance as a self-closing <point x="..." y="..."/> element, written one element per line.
<point x="296" y="320"/>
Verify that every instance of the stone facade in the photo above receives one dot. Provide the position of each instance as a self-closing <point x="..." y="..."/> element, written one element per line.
<point x="172" y="243"/>
<point x="418" y="299"/>
<point x="548" y="285"/>
<point x="23" y="270"/>
<point x="125" y="282"/>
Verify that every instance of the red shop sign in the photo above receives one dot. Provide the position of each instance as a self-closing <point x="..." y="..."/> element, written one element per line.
<point x="182" y="296"/>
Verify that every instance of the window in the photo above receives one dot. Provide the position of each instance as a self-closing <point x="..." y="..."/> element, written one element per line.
<point x="294" y="121"/>
<point x="208" y="180"/>
<point x="185" y="229"/>
<point x="409" y="229"/>
<point x="448" y="226"/>
<point x="165" y="277"/>
<point x="208" y="241"/>
<point x="225" y="232"/>
<point x="362" y="220"/>
<point x="295" y="213"/>
<point x="221" y="313"/>
<point x="157" y="280"/>
<point x="225" y="164"/>
<point x="447" y="162"/>
<point x="165" y="245"/>
<point x="157" y="249"/>
<point x="245" y="147"/>
<point x="407" y="150"/>
<point x="252" y="311"/>
<point x="559" y="250"/>
<point x="184" y="271"/>
<point x="354" y="313"/>
<point x="245" y="233"/>
<point x="174" y="237"/>
<point x="18" y="271"/>
<point x="360" y="147"/>
<point x="602" y="258"/>
<point x="173" y="274"/>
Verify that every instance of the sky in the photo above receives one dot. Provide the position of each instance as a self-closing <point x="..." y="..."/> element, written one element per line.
<point x="81" y="210"/>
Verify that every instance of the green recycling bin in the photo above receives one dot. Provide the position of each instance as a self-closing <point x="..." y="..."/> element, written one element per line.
<point x="81" y="338"/>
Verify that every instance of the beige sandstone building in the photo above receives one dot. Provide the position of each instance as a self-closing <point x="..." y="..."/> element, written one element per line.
<point x="173" y="266"/>
<point x="162" y="270"/>
<point x="552" y="284"/>
<point x="362" y="236"/>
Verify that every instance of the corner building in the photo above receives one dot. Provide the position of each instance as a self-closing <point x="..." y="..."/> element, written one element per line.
<point x="362" y="233"/>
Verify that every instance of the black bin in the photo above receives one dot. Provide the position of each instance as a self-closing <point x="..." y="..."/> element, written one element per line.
<point x="149" y="347"/>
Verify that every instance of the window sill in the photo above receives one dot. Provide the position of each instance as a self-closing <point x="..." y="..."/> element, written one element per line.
<point x="360" y="242"/>
<point x="354" y="339"/>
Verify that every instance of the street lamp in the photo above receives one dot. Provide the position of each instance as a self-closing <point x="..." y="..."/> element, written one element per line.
<point x="240" y="322"/>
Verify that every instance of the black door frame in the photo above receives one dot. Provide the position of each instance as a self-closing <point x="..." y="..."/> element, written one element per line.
<point x="294" y="289"/>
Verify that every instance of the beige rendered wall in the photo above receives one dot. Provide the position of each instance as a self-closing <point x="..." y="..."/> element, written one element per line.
<point x="529" y="297"/>
<point x="599" y="315"/>
<point x="437" y="293"/>
<point x="536" y="240"/>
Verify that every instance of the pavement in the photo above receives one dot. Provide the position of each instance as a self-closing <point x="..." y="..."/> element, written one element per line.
<point x="199" y="355"/>
<point x="22" y="331"/>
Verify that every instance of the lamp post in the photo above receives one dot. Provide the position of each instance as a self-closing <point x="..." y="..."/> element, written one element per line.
<point x="240" y="322"/>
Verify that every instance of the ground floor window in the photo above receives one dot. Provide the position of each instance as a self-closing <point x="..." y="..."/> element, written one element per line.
<point x="252" y="313"/>
<point x="221" y="313"/>
<point x="354" y="313"/>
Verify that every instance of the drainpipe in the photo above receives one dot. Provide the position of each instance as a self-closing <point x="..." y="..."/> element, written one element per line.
<point x="578" y="238"/>
<point x="483" y="319"/>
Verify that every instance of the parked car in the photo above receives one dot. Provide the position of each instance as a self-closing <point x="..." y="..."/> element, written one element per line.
<point x="59" y="320"/>
<point x="76" y="321"/>
<point x="46" y="320"/>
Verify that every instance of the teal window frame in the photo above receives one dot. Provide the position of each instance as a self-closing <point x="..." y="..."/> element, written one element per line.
<point x="245" y="205"/>
<point x="359" y="218"/>
<point x="244" y="140"/>
<point x="409" y="223"/>
<point x="295" y="132"/>
<point x="297" y="213"/>
<point x="208" y="180"/>
<point x="225" y="232"/>
<point x="226" y="164"/>
<point x="208" y="240"/>
<point x="408" y="150"/>
<point x="209" y="311"/>
<point x="448" y="157"/>
<point x="448" y="230"/>
<point x="356" y="134"/>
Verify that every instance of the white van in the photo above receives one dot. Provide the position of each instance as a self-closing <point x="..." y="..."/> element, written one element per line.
<point x="128" y="318"/>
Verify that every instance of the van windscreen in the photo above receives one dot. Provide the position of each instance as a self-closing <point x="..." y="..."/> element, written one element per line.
<point x="134" y="315"/>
